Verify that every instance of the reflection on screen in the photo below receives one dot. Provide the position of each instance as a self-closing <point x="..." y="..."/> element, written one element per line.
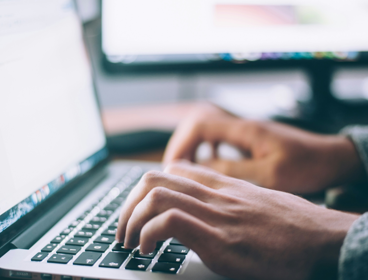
<point x="49" y="120"/>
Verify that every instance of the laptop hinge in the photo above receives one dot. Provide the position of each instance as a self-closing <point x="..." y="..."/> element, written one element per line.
<point x="31" y="235"/>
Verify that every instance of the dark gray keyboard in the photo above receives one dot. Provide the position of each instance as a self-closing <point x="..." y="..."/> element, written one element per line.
<point x="90" y="240"/>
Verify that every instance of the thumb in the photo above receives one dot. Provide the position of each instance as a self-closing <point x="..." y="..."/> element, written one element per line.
<point x="246" y="169"/>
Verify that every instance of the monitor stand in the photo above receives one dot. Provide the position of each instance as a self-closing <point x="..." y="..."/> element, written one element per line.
<point x="324" y="113"/>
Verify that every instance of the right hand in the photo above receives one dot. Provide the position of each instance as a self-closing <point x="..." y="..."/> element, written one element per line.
<point x="239" y="230"/>
<point x="277" y="156"/>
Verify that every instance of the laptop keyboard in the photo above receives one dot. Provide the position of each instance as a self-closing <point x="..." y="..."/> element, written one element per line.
<point x="90" y="240"/>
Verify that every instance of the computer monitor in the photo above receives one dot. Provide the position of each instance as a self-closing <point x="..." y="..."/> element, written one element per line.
<point x="220" y="33"/>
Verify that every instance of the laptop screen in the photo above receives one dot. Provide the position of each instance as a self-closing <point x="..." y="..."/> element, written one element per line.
<point x="50" y="127"/>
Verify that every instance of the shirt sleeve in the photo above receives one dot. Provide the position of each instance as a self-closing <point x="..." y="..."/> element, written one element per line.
<point x="359" y="136"/>
<point x="353" y="262"/>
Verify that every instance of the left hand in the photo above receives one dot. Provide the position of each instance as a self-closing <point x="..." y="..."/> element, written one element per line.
<point x="239" y="230"/>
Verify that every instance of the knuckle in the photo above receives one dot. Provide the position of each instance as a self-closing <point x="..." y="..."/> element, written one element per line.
<point x="172" y="167"/>
<point x="176" y="166"/>
<point x="173" y="216"/>
<point x="157" y="195"/>
<point x="151" y="177"/>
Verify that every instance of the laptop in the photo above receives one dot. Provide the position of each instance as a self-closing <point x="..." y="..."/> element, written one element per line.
<point x="60" y="196"/>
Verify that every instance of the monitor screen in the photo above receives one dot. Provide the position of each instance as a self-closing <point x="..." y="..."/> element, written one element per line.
<point x="154" y="31"/>
<point x="50" y="127"/>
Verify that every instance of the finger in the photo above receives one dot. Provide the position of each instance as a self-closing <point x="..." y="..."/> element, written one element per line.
<point x="201" y="174"/>
<point x="184" y="142"/>
<point x="250" y="170"/>
<point x="160" y="200"/>
<point x="190" y="231"/>
<point x="154" y="179"/>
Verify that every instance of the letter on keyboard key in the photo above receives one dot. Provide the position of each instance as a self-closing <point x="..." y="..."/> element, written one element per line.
<point x="138" y="264"/>
<point x="49" y="247"/>
<point x="98" y="220"/>
<point x="138" y="254"/>
<point x="58" y="239"/>
<point x="78" y="241"/>
<point x="62" y="259"/>
<point x="97" y="247"/>
<point x="114" y="260"/>
<point x="39" y="257"/>
<point x="105" y="239"/>
<point x="87" y="258"/>
<point x="166" y="267"/>
<point x="84" y="233"/>
<point x="69" y="250"/>
<point x="176" y="249"/>
<point x="172" y="258"/>
<point x="91" y="227"/>
<point x="111" y="232"/>
<point x="66" y="231"/>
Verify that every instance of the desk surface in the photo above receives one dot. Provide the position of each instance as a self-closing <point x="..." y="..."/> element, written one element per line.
<point x="156" y="156"/>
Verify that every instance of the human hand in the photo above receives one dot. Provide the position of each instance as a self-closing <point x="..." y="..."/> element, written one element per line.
<point x="239" y="230"/>
<point x="277" y="156"/>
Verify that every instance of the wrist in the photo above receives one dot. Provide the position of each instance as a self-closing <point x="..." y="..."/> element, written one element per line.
<point x="344" y="159"/>
<point x="335" y="228"/>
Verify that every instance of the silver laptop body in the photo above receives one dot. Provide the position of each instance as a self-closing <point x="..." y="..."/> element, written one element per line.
<point x="60" y="197"/>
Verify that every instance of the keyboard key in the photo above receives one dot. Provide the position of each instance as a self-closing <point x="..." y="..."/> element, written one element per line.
<point x="87" y="258"/>
<point x="174" y="241"/>
<point x="114" y="260"/>
<point x="105" y="239"/>
<point x="49" y="247"/>
<point x="119" y="247"/>
<point x="74" y="224"/>
<point x="113" y="225"/>
<point x="62" y="259"/>
<point x="39" y="257"/>
<point x="58" y="239"/>
<point x="97" y="247"/>
<point x="118" y="200"/>
<point x="176" y="249"/>
<point x="69" y="250"/>
<point x="159" y="245"/>
<point x="166" y="267"/>
<point x="138" y="264"/>
<point x="66" y="231"/>
<point x="111" y="232"/>
<point x="91" y="227"/>
<point x="46" y="276"/>
<point x="138" y="254"/>
<point x="112" y="206"/>
<point x="172" y="258"/>
<point x="82" y="217"/>
<point x="105" y="213"/>
<point x="78" y="241"/>
<point x="98" y="220"/>
<point x="124" y="194"/>
<point x="85" y="233"/>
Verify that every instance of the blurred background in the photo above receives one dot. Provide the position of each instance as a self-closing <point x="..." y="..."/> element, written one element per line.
<point x="302" y="62"/>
